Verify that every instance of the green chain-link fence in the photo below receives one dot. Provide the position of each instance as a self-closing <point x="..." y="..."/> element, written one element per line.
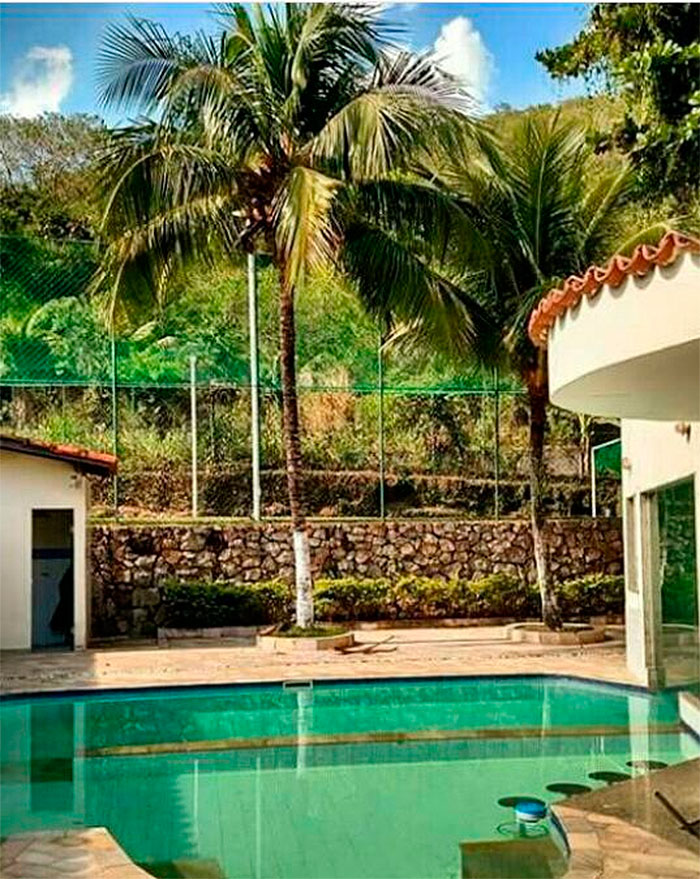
<point x="385" y="431"/>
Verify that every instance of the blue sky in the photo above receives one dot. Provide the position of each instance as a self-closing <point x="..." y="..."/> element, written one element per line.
<point x="48" y="51"/>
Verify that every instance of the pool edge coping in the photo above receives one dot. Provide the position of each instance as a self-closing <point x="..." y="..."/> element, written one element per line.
<point x="123" y="689"/>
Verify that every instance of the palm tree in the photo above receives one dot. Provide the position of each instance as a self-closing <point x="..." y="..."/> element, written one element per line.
<point x="534" y="208"/>
<point x="281" y="135"/>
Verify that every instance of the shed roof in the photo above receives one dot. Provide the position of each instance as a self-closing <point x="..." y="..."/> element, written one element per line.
<point x="87" y="460"/>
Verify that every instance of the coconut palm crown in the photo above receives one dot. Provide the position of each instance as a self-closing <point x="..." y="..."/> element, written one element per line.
<point x="284" y="135"/>
<point x="535" y="206"/>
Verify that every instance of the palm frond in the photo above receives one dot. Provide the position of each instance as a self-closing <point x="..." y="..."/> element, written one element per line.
<point x="157" y="174"/>
<point x="603" y="199"/>
<point x="422" y="215"/>
<point x="304" y="232"/>
<point x="404" y="107"/>
<point x="395" y="283"/>
<point x="650" y="234"/>
<point x="138" y="60"/>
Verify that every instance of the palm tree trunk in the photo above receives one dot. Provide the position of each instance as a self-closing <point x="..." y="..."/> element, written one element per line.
<point x="538" y="394"/>
<point x="292" y="443"/>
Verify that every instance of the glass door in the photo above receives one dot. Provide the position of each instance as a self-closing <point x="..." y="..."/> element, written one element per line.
<point x="677" y="577"/>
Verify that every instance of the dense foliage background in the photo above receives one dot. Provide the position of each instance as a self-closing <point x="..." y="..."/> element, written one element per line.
<point x="643" y="64"/>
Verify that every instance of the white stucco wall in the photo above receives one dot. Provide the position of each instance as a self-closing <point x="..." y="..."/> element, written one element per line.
<point x="28" y="483"/>
<point x="632" y="351"/>
<point x="654" y="454"/>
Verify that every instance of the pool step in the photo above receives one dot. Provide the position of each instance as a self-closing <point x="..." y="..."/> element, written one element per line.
<point x="513" y="859"/>
<point x="423" y="735"/>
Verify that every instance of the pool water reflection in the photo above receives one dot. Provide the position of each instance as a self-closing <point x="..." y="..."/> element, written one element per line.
<point x="356" y="780"/>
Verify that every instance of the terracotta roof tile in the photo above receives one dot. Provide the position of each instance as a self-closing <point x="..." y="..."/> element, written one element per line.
<point x="619" y="267"/>
<point x="88" y="459"/>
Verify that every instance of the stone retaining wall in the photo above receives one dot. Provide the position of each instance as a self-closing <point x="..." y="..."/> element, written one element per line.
<point x="131" y="563"/>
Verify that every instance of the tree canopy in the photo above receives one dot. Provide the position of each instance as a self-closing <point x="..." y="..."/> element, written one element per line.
<point x="649" y="53"/>
<point x="48" y="175"/>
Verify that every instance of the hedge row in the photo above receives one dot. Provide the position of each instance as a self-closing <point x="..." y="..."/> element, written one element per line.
<point x="348" y="599"/>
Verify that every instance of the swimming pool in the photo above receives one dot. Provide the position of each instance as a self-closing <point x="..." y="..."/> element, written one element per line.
<point x="374" y="780"/>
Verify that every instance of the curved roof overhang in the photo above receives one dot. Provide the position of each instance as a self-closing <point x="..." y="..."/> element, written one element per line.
<point x="624" y="340"/>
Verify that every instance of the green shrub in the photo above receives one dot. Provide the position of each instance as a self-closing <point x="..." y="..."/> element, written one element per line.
<point x="202" y="605"/>
<point x="425" y="597"/>
<point x="349" y="598"/>
<point x="503" y="595"/>
<point x="410" y="597"/>
<point x="592" y="595"/>
<point x="318" y="630"/>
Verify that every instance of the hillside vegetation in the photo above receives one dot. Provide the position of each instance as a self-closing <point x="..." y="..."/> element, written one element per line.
<point x="56" y="369"/>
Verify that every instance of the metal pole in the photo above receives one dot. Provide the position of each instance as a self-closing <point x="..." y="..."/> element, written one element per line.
<point x="594" y="449"/>
<point x="63" y="413"/>
<point x="497" y="456"/>
<point x="115" y="421"/>
<point x="193" y="420"/>
<point x="254" y="384"/>
<point x="380" y="371"/>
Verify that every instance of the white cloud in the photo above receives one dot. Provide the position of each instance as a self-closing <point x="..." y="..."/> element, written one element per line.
<point x="461" y="51"/>
<point x="42" y="79"/>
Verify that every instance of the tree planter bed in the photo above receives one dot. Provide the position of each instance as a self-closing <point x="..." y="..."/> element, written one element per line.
<point x="283" y="644"/>
<point x="571" y="634"/>
<point x="432" y="623"/>
<point x="212" y="633"/>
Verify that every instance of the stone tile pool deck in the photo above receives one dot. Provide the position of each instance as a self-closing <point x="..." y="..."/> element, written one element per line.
<point x="379" y="654"/>
<point x="92" y="853"/>
<point x="610" y="830"/>
<point x="607" y="847"/>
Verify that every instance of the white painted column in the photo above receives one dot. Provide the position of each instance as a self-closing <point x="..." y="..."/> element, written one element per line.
<point x="254" y="384"/>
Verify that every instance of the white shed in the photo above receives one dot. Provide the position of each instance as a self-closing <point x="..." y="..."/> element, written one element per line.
<point x="44" y="500"/>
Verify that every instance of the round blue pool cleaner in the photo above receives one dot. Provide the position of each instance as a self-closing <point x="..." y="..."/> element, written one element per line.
<point x="530" y="811"/>
<point x="530" y="819"/>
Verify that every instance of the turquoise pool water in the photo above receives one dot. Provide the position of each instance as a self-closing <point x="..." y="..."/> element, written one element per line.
<point x="341" y="781"/>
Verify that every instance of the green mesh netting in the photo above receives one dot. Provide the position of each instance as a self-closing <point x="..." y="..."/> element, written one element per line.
<point x="608" y="459"/>
<point x="53" y="333"/>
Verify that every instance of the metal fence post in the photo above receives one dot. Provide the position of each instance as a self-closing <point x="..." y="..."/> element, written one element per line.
<point x="594" y="478"/>
<point x="115" y="421"/>
<point x="497" y="446"/>
<point x="254" y="384"/>
<point x="380" y="376"/>
<point x="64" y="433"/>
<point x="193" y="420"/>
